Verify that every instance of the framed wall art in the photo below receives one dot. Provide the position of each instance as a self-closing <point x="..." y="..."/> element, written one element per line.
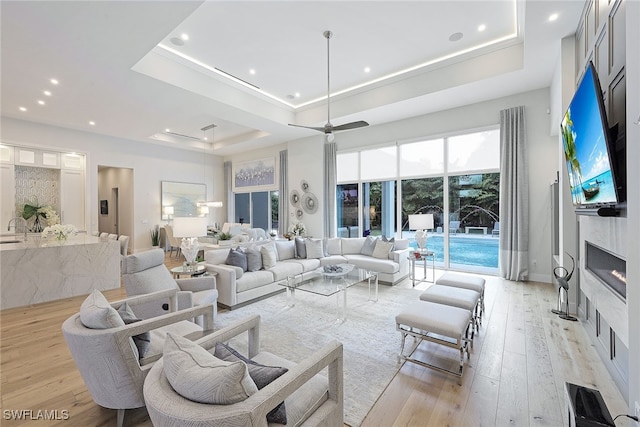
<point x="254" y="174"/>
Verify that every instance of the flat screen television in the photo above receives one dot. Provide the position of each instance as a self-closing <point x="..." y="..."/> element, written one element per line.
<point x="587" y="146"/>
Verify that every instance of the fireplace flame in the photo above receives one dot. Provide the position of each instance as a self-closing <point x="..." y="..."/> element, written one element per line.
<point x="620" y="276"/>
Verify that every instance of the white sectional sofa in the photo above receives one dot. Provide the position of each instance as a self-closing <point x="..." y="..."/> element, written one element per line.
<point x="238" y="286"/>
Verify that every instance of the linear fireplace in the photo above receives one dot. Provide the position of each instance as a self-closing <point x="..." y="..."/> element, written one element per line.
<point x="610" y="268"/>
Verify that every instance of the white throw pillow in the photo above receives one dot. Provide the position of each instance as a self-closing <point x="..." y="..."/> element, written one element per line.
<point x="97" y="313"/>
<point x="334" y="246"/>
<point x="198" y="375"/>
<point x="314" y="248"/>
<point x="286" y="249"/>
<point x="382" y="249"/>
<point x="269" y="256"/>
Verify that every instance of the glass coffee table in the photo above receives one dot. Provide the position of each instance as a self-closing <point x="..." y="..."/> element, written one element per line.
<point x="331" y="280"/>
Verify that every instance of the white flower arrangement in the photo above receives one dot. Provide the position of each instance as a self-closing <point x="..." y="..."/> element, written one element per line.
<point x="59" y="231"/>
<point x="298" y="229"/>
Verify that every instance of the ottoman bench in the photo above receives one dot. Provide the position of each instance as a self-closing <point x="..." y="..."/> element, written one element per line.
<point x="437" y="323"/>
<point x="456" y="297"/>
<point x="464" y="281"/>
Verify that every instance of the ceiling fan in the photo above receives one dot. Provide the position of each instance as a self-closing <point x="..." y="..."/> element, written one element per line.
<point x="328" y="128"/>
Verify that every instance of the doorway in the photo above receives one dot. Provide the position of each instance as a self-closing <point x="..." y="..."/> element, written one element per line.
<point x="115" y="190"/>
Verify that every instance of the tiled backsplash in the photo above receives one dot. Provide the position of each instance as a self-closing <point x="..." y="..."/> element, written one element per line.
<point x="39" y="186"/>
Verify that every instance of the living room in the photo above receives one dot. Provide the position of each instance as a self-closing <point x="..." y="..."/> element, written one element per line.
<point x="153" y="163"/>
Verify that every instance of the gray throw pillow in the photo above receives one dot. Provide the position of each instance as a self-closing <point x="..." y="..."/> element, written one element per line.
<point x="260" y="374"/>
<point x="301" y="248"/>
<point x="237" y="258"/>
<point x="254" y="258"/>
<point x="143" y="340"/>
<point x="368" y="246"/>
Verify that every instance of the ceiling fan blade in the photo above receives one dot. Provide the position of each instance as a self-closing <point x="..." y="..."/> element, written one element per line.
<point x="319" y="129"/>
<point x="352" y="125"/>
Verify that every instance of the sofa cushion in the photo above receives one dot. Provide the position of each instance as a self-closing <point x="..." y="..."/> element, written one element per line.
<point x="97" y="313"/>
<point x="254" y="258"/>
<point x="352" y="245"/>
<point x="333" y="259"/>
<point x="314" y="248"/>
<point x="197" y="375"/>
<point x="301" y="248"/>
<point x="284" y="269"/>
<point x="286" y="249"/>
<point x="368" y="246"/>
<point x="216" y="256"/>
<point x="308" y="264"/>
<point x="333" y="246"/>
<point x="382" y="249"/>
<point x="253" y="280"/>
<point x="378" y="265"/>
<point x="269" y="255"/>
<point x="142" y="341"/>
<point x="237" y="258"/>
<point x="262" y="375"/>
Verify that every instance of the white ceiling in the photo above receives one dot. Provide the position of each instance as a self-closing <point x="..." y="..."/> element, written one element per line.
<point x="118" y="66"/>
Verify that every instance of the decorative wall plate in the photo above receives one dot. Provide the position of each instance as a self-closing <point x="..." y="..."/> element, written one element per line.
<point x="294" y="198"/>
<point x="309" y="203"/>
<point x="299" y="213"/>
<point x="304" y="185"/>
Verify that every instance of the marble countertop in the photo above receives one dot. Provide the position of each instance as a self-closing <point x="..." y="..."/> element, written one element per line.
<point x="35" y="240"/>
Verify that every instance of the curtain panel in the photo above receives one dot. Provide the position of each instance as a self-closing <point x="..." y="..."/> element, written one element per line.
<point x="514" y="195"/>
<point x="228" y="190"/>
<point x="330" y="182"/>
<point x="283" y="188"/>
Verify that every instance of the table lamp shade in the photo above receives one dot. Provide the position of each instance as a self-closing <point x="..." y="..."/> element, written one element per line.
<point x="168" y="210"/>
<point x="421" y="222"/>
<point x="189" y="226"/>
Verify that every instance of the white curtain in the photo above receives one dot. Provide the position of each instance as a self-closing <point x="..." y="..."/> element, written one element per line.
<point x="229" y="201"/>
<point x="514" y="195"/>
<point x="283" y="188"/>
<point x="330" y="180"/>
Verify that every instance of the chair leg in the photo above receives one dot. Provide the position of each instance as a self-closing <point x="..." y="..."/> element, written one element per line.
<point x="120" y="417"/>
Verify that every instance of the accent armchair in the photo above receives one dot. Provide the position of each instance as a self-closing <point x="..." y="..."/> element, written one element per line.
<point x="310" y="398"/>
<point x="109" y="360"/>
<point x="145" y="272"/>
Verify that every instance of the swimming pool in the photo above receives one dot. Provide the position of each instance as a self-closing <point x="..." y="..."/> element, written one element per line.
<point x="465" y="251"/>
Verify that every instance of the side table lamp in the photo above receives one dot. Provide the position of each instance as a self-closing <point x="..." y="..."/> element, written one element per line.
<point x="190" y="228"/>
<point x="421" y="223"/>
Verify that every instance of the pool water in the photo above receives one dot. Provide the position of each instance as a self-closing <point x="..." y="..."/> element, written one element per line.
<point x="465" y="251"/>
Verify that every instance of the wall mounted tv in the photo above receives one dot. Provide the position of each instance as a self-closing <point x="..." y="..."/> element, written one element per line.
<point x="588" y="147"/>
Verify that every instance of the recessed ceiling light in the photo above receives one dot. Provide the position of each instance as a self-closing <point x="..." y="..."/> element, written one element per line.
<point x="41" y="102"/>
<point x="167" y="130"/>
<point x="252" y="71"/>
<point x="297" y="94"/>
<point x="184" y="36"/>
<point x="455" y="37"/>
<point x="22" y="109"/>
<point x="482" y="27"/>
<point x="92" y="123"/>
<point x="46" y="92"/>
<point x="54" y="81"/>
<point x="553" y="17"/>
<point x="367" y="69"/>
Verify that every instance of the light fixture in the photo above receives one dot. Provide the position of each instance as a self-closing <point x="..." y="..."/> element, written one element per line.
<point x="207" y="203"/>
<point x="47" y="93"/>
<point x="23" y="109"/>
<point x="41" y="102"/>
<point x="367" y="69"/>
<point x="54" y="81"/>
<point x="184" y="36"/>
<point x="168" y="212"/>
<point x="92" y="123"/>
<point x="482" y="27"/>
<point x="421" y="223"/>
<point x="553" y="17"/>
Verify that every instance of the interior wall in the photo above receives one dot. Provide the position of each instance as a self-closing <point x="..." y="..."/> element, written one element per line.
<point x="150" y="163"/>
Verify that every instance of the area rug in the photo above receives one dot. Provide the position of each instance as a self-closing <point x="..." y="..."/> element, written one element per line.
<point x="370" y="340"/>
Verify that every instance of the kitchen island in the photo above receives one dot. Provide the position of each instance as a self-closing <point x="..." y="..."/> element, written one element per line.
<point x="41" y="270"/>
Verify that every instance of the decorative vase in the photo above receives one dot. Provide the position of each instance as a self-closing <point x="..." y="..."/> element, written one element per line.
<point x="37" y="226"/>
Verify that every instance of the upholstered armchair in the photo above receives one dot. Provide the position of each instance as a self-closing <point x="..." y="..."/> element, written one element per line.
<point x="310" y="398"/>
<point x="145" y="272"/>
<point x="107" y="352"/>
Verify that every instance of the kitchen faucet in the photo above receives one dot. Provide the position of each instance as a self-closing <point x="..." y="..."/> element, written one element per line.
<point x="15" y="225"/>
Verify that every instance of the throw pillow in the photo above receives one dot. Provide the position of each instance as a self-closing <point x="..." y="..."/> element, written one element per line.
<point x="269" y="256"/>
<point x="301" y="248"/>
<point x="368" y="246"/>
<point x="198" y="375"/>
<point x="237" y="258"/>
<point x="334" y="246"/>
<point x="143" y="340"/>
<point x="260" y="374"/>
<point x="314" y="248"/>
<point x="254" y="258"/>
<point x="382" y="249"/>
<point x="286" y="249"/>
<point x="97" y="313"/>
<point x="391" y="240"/>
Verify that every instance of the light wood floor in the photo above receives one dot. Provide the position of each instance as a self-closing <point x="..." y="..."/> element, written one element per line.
<point x="521" y="359"/>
